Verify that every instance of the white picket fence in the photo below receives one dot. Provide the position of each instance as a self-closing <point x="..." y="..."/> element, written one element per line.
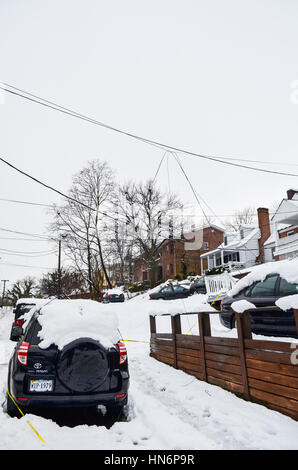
<point x="218" y="285"/>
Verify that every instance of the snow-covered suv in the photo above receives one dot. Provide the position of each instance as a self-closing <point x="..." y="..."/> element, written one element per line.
<point x="70" y="356"/>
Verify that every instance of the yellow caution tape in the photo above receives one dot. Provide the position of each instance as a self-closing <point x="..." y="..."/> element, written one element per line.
<point x="211" y="306"/>
<point x="28" y="422"/>
<point x="134" y="341"/>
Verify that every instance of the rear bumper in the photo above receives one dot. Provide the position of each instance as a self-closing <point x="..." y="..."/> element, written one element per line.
<point x="68" y="401"/>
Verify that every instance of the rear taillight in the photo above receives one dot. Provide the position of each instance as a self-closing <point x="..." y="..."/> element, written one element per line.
<point x="110" y="296"/>
<point x="18" y="322"/>
<point x="122" y="353"/>
<point x="22" y="353"/>
<point x="221" y="302"/>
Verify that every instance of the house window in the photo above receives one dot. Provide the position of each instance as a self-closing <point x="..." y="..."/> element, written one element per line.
<point x="291" y="232"/>
<point x="225" y="240"/>
<point x="171" y="268"/>
<point x="206" y="245"/>
<point x="172" y="248"/>
<point x="232" y="257"/>
<point x="241" y="234"/>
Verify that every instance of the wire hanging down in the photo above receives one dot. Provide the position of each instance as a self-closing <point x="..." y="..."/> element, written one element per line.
<point x="50" y="104"/>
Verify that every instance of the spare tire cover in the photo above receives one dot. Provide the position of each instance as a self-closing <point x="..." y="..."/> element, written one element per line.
<point x="83" y="365"/>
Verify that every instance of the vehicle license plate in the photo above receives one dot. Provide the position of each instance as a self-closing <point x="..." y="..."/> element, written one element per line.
<point x="41" y="385"/>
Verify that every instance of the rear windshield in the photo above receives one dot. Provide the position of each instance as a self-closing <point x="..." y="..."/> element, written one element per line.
<point x="21" y="309"/>
<point x="32" y="333"/>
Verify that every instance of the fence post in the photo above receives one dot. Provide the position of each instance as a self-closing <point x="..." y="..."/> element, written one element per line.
<point x="243" y="323"/>
<point x="176" y="329"/>
<point x="152" y="324"/>
<point x="204" y="330"/>
<point x="152" y="320"/>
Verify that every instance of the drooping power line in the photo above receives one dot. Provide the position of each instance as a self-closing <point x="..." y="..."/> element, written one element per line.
<point x="50" y="104"/>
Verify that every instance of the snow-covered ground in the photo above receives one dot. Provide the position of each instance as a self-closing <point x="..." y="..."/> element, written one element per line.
<point x="169" y="409"/>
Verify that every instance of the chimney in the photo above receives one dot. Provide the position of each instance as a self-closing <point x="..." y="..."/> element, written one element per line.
<point x="291" y="193"/>
<point x="264" y="226"/>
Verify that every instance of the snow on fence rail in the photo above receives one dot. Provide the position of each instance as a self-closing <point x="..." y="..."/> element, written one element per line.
<point x="259" y="370"/>
<point x="219" y="284"/>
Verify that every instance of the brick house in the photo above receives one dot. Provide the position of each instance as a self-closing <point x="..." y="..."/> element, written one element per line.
<point x="180" y="256"/>
<point x="241" y="249"/>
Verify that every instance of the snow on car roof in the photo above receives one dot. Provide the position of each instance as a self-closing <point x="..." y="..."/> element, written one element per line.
<point x="193" y="304"/>
<point x="28" y="300"/>
<point x="287" y="269"/>
<point x="115" y="290"/>
<point x="63" y="321"/>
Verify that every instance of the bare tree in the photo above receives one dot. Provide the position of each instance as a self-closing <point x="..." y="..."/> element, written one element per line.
<point x="240" y="217"/>
<point x="82" y="227"/>
<point x="23" y="288"/>
<point x="148" y="216"/>
<point x="70" y="282"/>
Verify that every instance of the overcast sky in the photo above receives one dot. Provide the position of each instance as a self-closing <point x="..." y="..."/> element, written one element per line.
<point x="213" y="77"/>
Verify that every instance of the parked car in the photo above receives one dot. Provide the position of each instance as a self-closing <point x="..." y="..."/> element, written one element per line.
<point x="113" y="295"/>
<point x="264" y="294"/>
<point x="198" y="286"/>
<point x="22" y="306"/>
<point x="82" y="373"/>
<point x="170" y="292"/>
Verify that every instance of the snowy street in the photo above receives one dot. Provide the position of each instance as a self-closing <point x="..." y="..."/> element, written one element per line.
<point x="169" y="409"/>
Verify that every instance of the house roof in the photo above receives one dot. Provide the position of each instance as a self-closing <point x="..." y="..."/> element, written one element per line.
<point x="287" y="212"/>
<point x="235" y="244"/>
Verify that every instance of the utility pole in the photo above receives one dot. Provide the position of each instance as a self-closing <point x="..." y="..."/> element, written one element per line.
<point x="3" y="294"/>
<point x="59" y="271"/>
<point x="62" y="236"/>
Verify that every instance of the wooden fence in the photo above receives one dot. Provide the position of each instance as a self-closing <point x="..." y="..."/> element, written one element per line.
<point x="258" y="370"/>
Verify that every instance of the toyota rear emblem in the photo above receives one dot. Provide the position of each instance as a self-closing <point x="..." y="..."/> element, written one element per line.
<point x="37" y="365"/>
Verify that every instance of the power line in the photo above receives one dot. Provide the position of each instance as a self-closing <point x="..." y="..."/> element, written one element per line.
<point x="160" y="163"/>
<point x="45" y="185"/>
<point x="25" y="202"/>
<point x="55" y="190"/>
<point x="26" y="254"/>
<point x="25" y="239"/>
<point x="63" y="109"/>
<point x="42" y="237"/>
<point x="25" y="266"/>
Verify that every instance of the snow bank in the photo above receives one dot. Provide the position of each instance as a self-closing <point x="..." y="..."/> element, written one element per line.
<point x="287" y="269"/>
<point x="288" y="302"/>
<point x="193" y="304"/>
<point x="241" y="306"/>
<point x="63" y="321"/>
